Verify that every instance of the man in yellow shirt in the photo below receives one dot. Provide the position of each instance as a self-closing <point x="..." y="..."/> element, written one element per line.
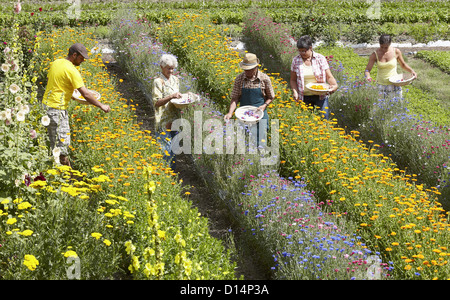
<point x="63" y="79"/>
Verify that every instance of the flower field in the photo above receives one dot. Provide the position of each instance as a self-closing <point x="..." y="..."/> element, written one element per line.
<point x="119" y="215"/>
<point x="361" y="196"/>
<point x="336" y="165"/>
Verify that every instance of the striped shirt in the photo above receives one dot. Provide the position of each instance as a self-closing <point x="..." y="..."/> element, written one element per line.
<point x="319" y="65"/>
<point x="261" y="79"/>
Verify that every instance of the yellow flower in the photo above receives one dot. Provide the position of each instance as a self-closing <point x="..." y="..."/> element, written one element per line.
<point x="95" y="169"/>
<point x="162" y="234"/>
<point x="52" y="172"/>
<point x="96" y="235"/>
<point x="129" y="247"/>
<point x="178" y="238"/>
<point x="151" y="186"/>
<point x="24" y="205"/>
<point x="135" y="265"/>
<point x="38" y="184"/>
<point x="149" y="270"/>
<point x="30" y="262"/>
<point x="148" y="252"/>
<point x="26" y="232"/>
<point x="11" y="221"/>
<point x="107" y="242"/>
<point x="70" y="253"/>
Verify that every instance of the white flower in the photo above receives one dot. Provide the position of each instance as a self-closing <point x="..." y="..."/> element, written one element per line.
<point x="56" y="152"/>
<point x="5" y="68"/>
<point x="45" y="120"/>
<point x="8" y="114"/>
<point x="24" y="108"/>
<point x="14" y="88"/>
<point x="20" y="116"/>
<point x="18" y="98"/>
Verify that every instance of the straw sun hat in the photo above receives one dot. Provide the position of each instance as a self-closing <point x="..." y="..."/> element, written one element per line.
<point x="249" y="61"/>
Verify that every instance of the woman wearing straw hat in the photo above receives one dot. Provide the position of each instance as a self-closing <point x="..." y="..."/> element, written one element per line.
<point x="252" y="87"/>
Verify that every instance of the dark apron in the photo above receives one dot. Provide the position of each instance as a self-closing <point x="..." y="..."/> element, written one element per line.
<point x="254" y="97"/>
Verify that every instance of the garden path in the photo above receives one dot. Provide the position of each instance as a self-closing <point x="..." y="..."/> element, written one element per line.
<point x="220" y="220"/>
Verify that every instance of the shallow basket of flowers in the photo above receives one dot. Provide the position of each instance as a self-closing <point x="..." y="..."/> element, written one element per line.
<point x="185" y="100"/>
<point x="318" y="88"/>
<point x="249" y="114"/>
<point x="77" y="96"/>
<point x="402" y="79"/>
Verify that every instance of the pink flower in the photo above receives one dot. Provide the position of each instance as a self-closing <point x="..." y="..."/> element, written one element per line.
<point x="33" y="133"/>
<point x="17" y="7"/>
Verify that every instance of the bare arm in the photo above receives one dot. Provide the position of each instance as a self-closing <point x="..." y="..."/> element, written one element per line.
<point x="235" y="95"/>
<point x="163" y="101"/>
<point x="91" y="99"/>
<point x="233" y="106"/>
<point x="331" y="80"/>
<point x="403" y="64"/>
<point x="293" y="84"/>
<point x="369" y="67"/>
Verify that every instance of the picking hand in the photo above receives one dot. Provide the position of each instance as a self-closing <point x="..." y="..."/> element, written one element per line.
<point x="105" y="108"/>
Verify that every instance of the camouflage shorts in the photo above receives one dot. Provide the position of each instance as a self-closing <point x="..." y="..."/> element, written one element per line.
<point x="58" y="129"/>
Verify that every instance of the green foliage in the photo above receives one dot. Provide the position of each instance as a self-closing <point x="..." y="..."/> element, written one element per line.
<point x="440" y="59"/>
<point x="22" y="147"/>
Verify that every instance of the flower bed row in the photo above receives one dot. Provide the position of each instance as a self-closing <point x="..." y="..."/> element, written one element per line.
<point x="124" y="215"/>
<point x="281" y="218"/>
<point x="399" y="218"/>
<point x="412" y="141"/>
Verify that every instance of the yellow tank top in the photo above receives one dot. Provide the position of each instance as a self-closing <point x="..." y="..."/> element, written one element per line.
<point x="386" y="70"/>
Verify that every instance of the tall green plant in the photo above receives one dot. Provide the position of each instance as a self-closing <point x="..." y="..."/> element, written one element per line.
<point x="22" y="145"/>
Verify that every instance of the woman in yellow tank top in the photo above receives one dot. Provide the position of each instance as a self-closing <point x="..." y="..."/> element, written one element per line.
<point x="386" y="58"/>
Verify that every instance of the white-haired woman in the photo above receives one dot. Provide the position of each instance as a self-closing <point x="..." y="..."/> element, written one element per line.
<point x="166" y="88"/>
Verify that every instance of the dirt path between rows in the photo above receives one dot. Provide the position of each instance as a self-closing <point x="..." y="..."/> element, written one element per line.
<point x="220" y="219"/>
